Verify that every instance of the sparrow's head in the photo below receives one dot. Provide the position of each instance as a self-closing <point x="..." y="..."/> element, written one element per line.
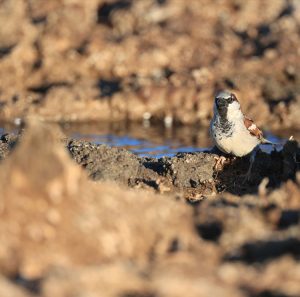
<point x="225" y="101"/>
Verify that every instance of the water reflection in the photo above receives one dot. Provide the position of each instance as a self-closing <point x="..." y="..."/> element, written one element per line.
<point x="155" y="141"/>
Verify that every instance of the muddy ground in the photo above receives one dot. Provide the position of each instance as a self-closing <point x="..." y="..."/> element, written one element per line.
<point x="193" y="175"/>
<point x="131" y="59"/>
<point x="121" y="225"/>
<point x="77" y="219"/>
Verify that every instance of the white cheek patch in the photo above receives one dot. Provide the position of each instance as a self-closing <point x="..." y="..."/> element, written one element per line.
<point x="234" y="106"/>
<point x="234" y="111"/>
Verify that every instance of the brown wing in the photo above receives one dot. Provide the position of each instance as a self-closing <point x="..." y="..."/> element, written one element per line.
<point x="252" y="128"/>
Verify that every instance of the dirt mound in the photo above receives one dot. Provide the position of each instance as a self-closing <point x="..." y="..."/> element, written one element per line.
<point x="140" y="59"/>
<point x="64" y="234"/>
<point x="51" y="214"/>
<point x="191" y="175"/>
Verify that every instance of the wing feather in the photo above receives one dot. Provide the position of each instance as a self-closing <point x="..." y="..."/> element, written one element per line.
<point x="252" y="128"/>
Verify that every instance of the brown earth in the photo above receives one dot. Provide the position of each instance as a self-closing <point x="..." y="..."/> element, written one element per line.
<point x="78" y="219"/>
<point x="63" y="234"/>
<point x="192" y="175"/>
<point x="129" y="59"/>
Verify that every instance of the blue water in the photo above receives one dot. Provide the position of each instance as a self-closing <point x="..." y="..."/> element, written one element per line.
<point x="169" y="148"/>
<point x="155" y="144"/>
<point x="141" y="147"/>
<point x="2" y="131"/>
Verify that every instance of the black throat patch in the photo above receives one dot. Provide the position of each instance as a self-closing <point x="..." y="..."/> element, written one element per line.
<point x="224" y="127"/>
<point x="222" y="110"/>
<point x="222" y="124"/>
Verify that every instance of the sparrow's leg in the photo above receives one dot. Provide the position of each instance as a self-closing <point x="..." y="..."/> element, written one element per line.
<point x="252" y="159"/>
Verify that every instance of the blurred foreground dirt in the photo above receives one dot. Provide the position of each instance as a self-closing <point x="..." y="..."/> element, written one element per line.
<point x="63" y="234"/>
<point x="77" y="219"/>
<point x="121" y="59"/>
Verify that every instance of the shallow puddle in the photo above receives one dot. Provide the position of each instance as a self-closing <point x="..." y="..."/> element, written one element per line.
<point x="153" y="141"/>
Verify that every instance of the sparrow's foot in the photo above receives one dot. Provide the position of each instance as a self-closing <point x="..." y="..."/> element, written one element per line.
<point x="252" y="159"/>
<point x="220" y="162"/>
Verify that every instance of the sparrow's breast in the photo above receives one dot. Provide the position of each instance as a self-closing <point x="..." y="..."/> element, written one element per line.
<point x="233" y="139"/>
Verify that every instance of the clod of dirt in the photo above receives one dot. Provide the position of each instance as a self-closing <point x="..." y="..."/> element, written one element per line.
<point x="187" y="172"/>
<point x="51" y="214"/>
<point x="103" y="162"/>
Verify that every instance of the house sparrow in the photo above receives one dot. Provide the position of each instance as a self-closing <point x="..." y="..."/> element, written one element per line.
<point x="233" y="132"/>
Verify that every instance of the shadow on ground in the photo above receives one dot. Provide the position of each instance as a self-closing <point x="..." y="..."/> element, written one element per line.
<point x="269" y="171"/>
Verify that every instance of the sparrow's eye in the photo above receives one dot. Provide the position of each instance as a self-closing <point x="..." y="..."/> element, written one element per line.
<point x="230" y="99"/>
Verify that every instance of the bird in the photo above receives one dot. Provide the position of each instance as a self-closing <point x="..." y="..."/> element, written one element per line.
<point x="232" y="132"/>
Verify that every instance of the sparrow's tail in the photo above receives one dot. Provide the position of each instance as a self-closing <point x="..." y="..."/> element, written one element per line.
<point x="266" y="141"/>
